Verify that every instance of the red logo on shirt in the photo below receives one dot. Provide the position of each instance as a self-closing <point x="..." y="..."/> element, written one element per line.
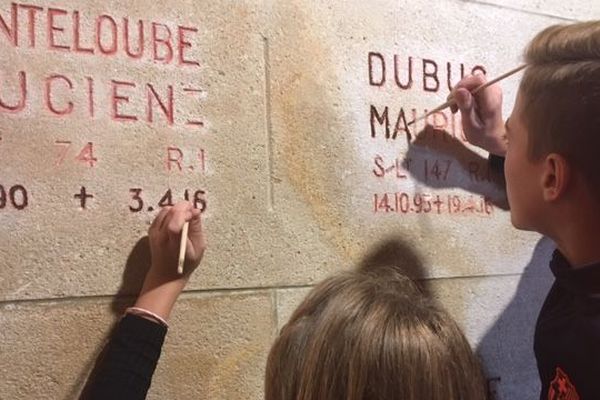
<point x="561" y="387"/>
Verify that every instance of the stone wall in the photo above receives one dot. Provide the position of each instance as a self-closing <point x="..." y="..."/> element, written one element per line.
<point x="285" y="122"/>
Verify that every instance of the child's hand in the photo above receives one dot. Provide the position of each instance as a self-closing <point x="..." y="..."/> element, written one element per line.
<point x="165" y="239"/>
<point x="163" y="284"/>
<point x="481" y="114"/>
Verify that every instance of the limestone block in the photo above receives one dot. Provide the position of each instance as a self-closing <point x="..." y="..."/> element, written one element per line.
<point x="47" y="351"/>
<point x="215" y="349"/>
<point x="498" y="315"/>
<point x="574" y="10"/>
<point x="263" y="116"/>
<point x="287" y="301"/>
<point x="273" y="117"/>
<point x="90" y="109"/>
<point x="337" y="166"/>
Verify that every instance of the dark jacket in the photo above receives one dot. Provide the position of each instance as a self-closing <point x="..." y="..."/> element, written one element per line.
<point x="567" y="334"/>
<point x="124" y="370"/>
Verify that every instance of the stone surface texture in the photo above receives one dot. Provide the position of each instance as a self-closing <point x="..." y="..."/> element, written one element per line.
<point x="284" y="121"/>
<point x="567" y="10"/>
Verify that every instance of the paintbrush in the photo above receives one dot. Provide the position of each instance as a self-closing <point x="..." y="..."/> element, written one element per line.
<point x="182" y="247"/>
<point x="451" y="102"/>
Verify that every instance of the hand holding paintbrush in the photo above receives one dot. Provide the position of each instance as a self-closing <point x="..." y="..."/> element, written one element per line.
<point x="167" y="278"/>
<point x="452" y="102"/>
<point x="481" y="111"/>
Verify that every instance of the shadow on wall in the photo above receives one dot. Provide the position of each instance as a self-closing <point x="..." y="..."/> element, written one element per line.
<point x="394" y="252"/>
<point x="136" y="268"/>
<point x="506" y="349"/>
<point x="447" y="153"/>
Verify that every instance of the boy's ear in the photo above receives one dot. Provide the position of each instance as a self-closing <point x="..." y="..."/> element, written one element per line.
<point x="556" y="176"/>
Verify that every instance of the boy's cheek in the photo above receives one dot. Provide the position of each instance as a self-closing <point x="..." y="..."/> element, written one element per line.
<point x="512" y="187"/>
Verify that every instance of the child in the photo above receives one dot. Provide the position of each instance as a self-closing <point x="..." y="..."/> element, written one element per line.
<point x="124" y="369"/>
<point x="371" y="335"/>
<point x="359" y="335"/>
<point x="551" y="145"/>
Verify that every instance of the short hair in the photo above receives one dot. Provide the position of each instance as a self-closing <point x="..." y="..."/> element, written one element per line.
<point x="561" y="93"/>
<point x="371" y="335"/>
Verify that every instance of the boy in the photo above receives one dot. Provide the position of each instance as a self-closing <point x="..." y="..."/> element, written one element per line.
<point x="551" y="146"/>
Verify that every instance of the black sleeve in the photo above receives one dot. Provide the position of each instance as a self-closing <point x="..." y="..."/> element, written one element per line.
<point x="496" y="163"/>
<point x="125" y="369"/>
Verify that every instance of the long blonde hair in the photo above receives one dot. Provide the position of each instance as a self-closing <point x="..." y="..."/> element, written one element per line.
<point x="371" y="335"/>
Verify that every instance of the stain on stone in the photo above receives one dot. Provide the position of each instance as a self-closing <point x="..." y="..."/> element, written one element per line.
<point x="314" y="133"/>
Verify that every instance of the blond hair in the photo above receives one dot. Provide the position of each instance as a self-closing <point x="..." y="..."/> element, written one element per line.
<point x="371" y="336"/>
<point x="561" y="89"/>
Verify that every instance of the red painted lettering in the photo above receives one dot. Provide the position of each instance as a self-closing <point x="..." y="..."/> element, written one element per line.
<point x="380" y="168"/>
<point x="100" y="33"/>
<point x="140" y="41"/>
<point x="65" y="146"/>
<point x="372" y="80"/>
<point x="474" y="171"/>
<point x="184" y="44"/>
<point x="32" y="21"/>
<point x="202" y="159"/>
<point x="165" y="41"/>
<point x="76" y="36"/>
<point x="174" y="156"/>
<point x="69" y="107"/>
<point x="52" y="29"/>
<point x="117" y="99"/>
<point x="22" y="99"/>
<point x="12" y="33"/>
<point x="449" y="74"/>
<point x="408" y="84"/>
<point x="382" y="119"/>
<point x="478" y="68"/>
<point x="166" y="109"/>
<point x="86" y="155"/>
<point x="404" y="74"/>
<point x="479" y="173"/>
<point x="431" y="75"/>
<point x="189" y="121"/>
<point x="90" y="93"/>
<point x="401" y="124"/>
